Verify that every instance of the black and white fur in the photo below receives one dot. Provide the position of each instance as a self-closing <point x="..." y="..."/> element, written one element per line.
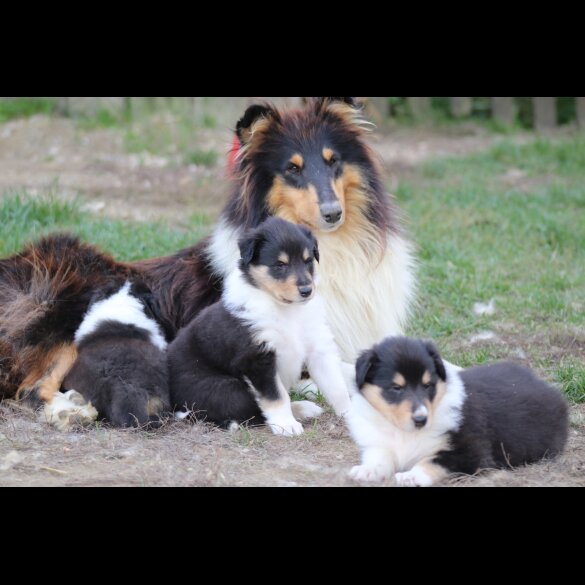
<point x="121" y="370"/>
<point x="417" y="419"/>
<point x="237" y="360"/>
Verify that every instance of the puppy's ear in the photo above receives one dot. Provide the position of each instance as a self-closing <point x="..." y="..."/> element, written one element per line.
<point x="249" y="245"/>
<point x="255" y="118"/>
<point x="436" y="357"/>
<point x="312" y="237"/>
<point x="316" y="249"/>
<point x="364" y="366"/>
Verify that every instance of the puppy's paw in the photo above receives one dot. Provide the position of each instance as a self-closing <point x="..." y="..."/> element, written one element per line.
<point x="67" y="411"/>
<point x="414" y="478"/>
<point x="286" y="427"/>
<point x="305" y="409"/>
<point x="364" y="473"/>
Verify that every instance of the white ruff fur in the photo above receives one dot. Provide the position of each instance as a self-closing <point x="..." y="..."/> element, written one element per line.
<point x="121" y="307"/>
<point x="366" y="295"/>
<point x="298" y="334"/>
<point x="388" y="451"/>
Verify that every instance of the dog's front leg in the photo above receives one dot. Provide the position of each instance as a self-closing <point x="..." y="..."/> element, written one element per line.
<point x="325" y="368"/>
<point x="274" y="402"/>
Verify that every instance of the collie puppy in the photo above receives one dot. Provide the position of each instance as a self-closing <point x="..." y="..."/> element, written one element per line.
<point x="313" y="167"/>
<point x="121" y="369"/>
<point x="238" y="359"/>
<point x="418" y="419"/>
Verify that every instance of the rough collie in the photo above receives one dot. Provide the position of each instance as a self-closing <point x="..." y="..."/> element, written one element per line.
<point x="313" y="167"/>
<point x="418" y="419"/>
<point x="238" y="359"/>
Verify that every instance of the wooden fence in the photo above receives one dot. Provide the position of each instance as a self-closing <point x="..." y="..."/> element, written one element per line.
<point x="225" y="110"/>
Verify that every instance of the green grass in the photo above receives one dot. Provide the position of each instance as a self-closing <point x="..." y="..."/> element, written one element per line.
<point x="571" y="376"/>
<point x="203" y="158"/>
<point x="24" y="219"/>
<point x="482" y="238"/>
<point x="25" y="108"/>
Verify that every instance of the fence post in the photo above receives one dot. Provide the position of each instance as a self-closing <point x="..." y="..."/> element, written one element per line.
<point x="461" y="107"/>
<point x="420" y="107"/>
<point x="581" y="112"/>
<point x="545" y="113"/>
<point x="504" y="109"/>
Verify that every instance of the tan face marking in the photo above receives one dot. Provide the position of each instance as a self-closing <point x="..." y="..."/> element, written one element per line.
<point x="400" y="415"/>
<point x="298" y="161"/>
<point x="306" y="254"/>
<point x="328" y="154"/>
<point x="399" y="380"/>
<point x="284" y="258"/>
<point x="285" y="291"/>
<point x="300" y="206"/>
<point x="426" y="379"/>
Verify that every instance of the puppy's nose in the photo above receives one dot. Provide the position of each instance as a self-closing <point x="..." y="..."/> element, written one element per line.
<point x="305" y="291"/>
<point x="420" y="420"/>
<point x="331" y="212"/>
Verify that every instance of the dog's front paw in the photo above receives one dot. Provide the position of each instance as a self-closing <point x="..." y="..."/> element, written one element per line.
<point x="413" y="478"/>
<point x="365" y="473"/>
<point x="286" y="428"/>
<point x="67" y="411"/>
<point x="305" y="409"/>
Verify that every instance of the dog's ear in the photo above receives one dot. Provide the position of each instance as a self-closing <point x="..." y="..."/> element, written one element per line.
<point x="437" y="360"/>
<point x="364" y="366"/>
<point x="313" y="239"/>
<point x="255" y="118"/>
<point x="249" y="245"/>
<point x="348" y="101"/>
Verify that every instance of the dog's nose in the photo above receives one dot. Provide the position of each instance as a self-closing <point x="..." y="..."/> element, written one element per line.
<point x="420" y="421"/>
<point x="305" y="291"/>
<point x="331" y="212"/>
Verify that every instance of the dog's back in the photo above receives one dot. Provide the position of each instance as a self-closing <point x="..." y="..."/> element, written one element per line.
<point x="522" y="418"/>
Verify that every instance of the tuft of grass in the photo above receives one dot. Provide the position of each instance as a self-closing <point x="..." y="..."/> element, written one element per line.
<point x="203" y="158"/>
<point x="103" y="118"/>
<point x="25" y="219"/>
<point x="571" y="376"/>
<point x="11" y="108"/>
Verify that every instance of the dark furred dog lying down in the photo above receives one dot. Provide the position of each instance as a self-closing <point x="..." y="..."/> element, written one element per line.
<point x="418" y="419"/>
<point x="238" y="359"/>
<point x="121" y="369"/>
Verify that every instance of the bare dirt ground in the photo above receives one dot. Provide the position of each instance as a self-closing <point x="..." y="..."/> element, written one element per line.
<point x="41" y="153"/>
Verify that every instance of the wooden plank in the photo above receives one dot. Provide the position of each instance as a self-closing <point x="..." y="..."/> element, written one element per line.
<point x="504" y="109"/>
<point x="581" y="112"/>
<point x="420" y="107"/>
<point x="461" y="107"/>
<point x="545" y="113"/>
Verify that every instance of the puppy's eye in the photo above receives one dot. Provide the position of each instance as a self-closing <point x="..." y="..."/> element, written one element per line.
<point x="397" y="388"/>
<point x="427" y="386"/>
<point x="309" y="261"/>
<point x="293" y="169"/>
<point x="332" y="161"/>
<point x="280" y="265"/>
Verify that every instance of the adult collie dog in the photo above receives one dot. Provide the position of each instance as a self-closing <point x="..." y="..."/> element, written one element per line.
<point x="311" y="166"/>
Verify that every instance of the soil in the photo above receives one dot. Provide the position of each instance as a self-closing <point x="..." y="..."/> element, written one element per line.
<point x="52" y="155"/>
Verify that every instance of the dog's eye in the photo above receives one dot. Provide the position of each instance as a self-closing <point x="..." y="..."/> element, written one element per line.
<point x="427" y="386"/>
<point x="397" y="388"/>
<point x="280" y="265"/>
<point x="293" y="169"/>
<point x="332" y="161"/>
<point x="309" y="261"/>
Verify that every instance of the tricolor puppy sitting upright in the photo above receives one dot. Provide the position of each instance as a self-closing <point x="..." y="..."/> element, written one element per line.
<point x="417" y="419"/>
<point x="238" y="359"/>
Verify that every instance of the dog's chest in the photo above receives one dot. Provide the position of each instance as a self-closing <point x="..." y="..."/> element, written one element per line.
<point x="286" y="337"/>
